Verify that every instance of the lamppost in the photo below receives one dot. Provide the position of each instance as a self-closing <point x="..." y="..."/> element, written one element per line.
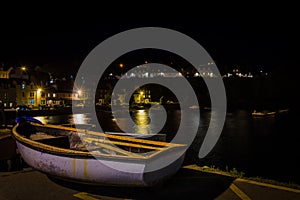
<point x="38" y="96"/>
<point x="79" y="93"/>
<point x="23" y="68"/>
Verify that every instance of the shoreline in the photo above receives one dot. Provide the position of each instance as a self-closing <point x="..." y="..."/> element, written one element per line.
<point x="240" y="175"/>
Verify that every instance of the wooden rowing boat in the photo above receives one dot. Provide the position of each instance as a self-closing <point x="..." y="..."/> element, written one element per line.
<point x="102" y="158"/>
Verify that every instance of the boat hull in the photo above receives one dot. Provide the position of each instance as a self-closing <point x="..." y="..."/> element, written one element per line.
<point x="97" y="171"/>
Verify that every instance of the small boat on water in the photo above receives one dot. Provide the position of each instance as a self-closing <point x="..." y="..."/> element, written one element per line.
<point x="283" y="111"/>
<point x="105" y="159"/>
<point x="263" y="113"/>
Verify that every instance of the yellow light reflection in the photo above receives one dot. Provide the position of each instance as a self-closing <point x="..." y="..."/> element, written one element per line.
<point x="42" y="119"/>
<point x="142" y="122"/>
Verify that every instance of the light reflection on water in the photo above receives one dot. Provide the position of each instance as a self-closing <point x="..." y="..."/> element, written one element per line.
<point x="251" y="145"/>
<point x="65" y="119"/>
<point x="142" y="119"/>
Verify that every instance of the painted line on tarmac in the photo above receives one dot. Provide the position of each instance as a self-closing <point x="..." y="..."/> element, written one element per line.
<point x="268" y="185"/>
<point x="87" y="196"/>
<point x="84" y="195"/>
<point x="239" y="192"/>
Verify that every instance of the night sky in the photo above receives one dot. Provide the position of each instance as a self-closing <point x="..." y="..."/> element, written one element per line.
<point x="266" y="43"/>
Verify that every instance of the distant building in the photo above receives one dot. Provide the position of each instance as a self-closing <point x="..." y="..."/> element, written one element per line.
<point x="37" y="89"/>
<point x="7" y="88"/>
<point x="142" y="96"/>
<point x="28" y="93"/>
<point x="103" y="96"/>
<point x="8" y="92"/>
<point x="67" y="97"/>
<point x="4" y="74"/>
<point x="19" y="73"/>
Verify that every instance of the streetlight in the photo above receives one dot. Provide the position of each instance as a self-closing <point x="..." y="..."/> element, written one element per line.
<point x="38" y="96"/>
<point x="79" y="92"/>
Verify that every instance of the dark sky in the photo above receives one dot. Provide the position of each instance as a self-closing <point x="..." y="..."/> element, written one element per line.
<point x="267" y="42"/>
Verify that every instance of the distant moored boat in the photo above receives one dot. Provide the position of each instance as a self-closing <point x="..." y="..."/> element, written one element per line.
<point x="263" y="113"/>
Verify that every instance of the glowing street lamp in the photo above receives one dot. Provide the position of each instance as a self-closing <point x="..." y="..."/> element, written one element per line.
<point x="79" y="92"/>
<point x="38" y="96"/>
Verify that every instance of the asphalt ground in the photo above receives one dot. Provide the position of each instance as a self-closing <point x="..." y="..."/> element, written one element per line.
<point x="189" y="183"/>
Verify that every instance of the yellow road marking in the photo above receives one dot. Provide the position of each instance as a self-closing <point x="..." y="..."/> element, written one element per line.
<point x="268" y="185"/>
<point x="85" y="196"/>
<point x="239" y="192"/>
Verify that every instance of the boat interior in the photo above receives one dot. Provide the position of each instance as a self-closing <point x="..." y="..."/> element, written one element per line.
<point x="104" y="143"/>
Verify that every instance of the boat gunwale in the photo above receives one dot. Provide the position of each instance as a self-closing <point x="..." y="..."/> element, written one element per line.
<point x="81" y="154"/>
<point x="112" y="136"/>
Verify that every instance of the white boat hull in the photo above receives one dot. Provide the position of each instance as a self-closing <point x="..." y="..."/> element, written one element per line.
<point x="96" y="171"/>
